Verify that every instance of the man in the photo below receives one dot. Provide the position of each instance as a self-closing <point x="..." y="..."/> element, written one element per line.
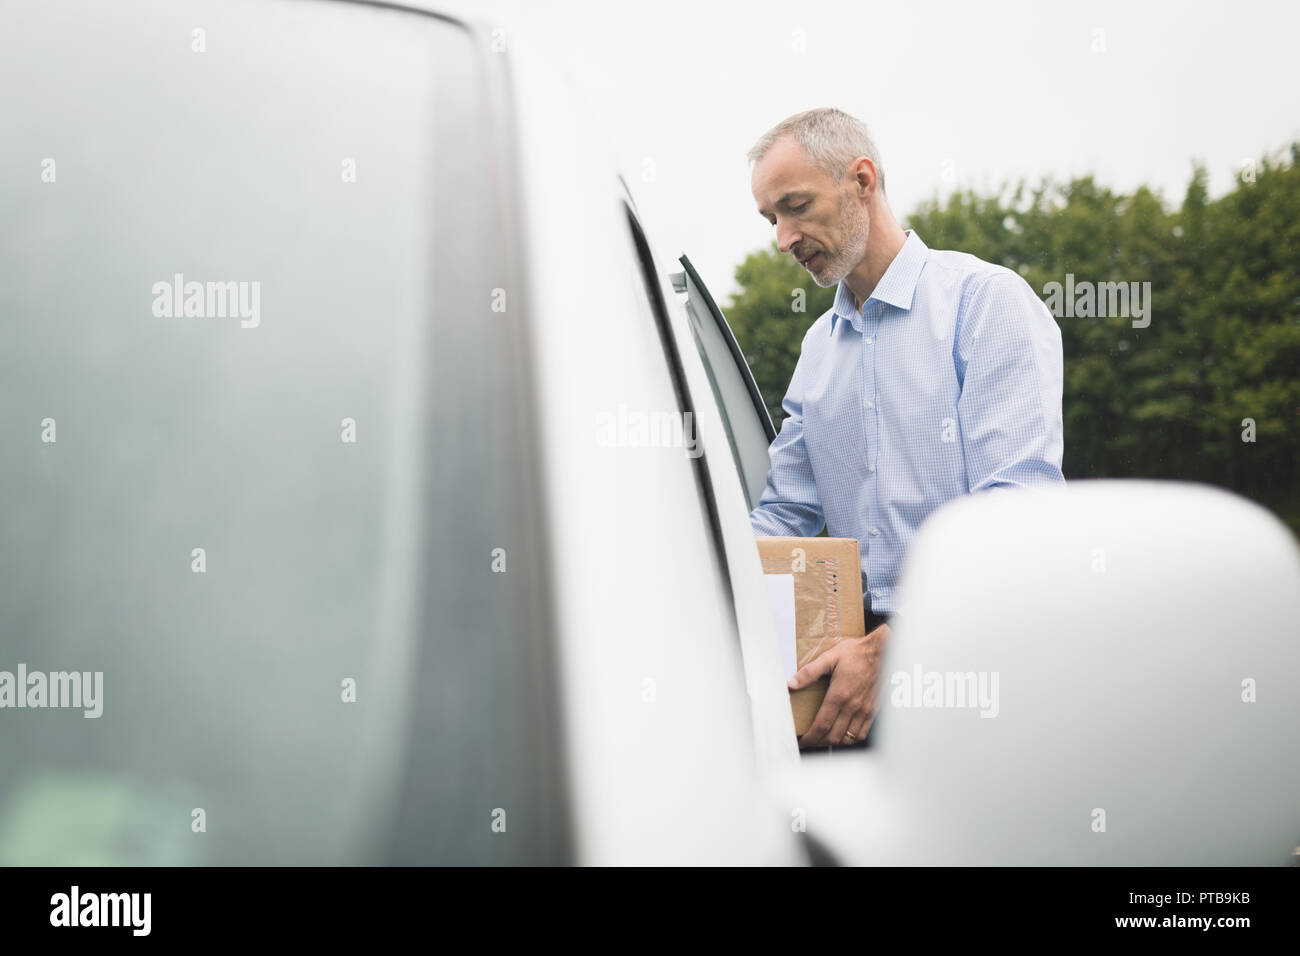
<point x="934" y="375"/>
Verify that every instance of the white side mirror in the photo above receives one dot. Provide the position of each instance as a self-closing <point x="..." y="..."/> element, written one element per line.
<point x="1106" y="673"/>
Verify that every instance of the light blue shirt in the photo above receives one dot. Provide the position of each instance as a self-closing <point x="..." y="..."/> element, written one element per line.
<point x="948" y="381"/>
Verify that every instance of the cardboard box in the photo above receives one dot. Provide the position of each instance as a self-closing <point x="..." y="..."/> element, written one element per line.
<point x="827" y="604"/>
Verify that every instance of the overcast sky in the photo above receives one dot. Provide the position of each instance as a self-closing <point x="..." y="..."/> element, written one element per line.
<point x="956" y="94"/>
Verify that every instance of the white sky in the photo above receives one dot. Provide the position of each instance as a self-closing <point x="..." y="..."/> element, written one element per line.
<point x="1001" y="90"/>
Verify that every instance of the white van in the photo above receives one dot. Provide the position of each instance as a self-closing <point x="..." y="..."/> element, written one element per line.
<point x="330" y="366"/>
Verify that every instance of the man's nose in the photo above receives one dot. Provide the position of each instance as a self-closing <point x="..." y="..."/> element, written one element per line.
<point x="786" y="238"/>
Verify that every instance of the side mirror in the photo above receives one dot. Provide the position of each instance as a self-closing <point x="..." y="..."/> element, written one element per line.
<point x="1105" y="673"/>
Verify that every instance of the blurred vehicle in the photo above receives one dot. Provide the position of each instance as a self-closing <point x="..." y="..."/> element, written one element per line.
<point x="354" y="435"/>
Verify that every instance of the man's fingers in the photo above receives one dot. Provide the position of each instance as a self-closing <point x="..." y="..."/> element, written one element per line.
<point x="859" y="727"/>
<point x="836" y="737"/>
<point x="814" y="670"/>
<point x="827" y="715"/>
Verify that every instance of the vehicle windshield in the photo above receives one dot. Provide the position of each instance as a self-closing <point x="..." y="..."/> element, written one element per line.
<point x="217" y="277"/>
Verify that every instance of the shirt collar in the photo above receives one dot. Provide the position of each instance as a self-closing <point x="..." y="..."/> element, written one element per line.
<point x="896" y="287"/>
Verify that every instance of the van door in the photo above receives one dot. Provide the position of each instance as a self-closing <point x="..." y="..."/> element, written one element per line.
<point x="749" y="427"/>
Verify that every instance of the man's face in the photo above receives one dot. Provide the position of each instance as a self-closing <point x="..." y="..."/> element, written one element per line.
<point x="818" y="220"/>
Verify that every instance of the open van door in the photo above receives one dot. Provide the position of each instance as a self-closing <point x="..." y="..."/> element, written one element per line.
<point x="749" y="427"/>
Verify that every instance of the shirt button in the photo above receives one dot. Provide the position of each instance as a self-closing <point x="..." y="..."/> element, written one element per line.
<point x="868" y="341"/>
<point x="871" y="468"/>
<point x="871" y="404"/>
<point x="875" y="531"/>
<point x="875" y="593"/>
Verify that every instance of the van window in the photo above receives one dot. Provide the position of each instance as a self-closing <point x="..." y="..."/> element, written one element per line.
<point x="263" y="441"/>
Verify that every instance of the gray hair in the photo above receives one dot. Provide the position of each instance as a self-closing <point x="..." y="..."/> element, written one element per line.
<point x="831" y="138"/>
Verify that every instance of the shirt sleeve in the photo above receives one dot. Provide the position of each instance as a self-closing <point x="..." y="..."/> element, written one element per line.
<point x="1008" y="359"/>
<point x="789" y="506"/>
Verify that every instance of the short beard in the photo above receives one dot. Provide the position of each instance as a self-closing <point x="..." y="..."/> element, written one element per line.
<point x="855" y="227"/>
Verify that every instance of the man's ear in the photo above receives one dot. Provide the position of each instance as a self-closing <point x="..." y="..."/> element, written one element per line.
<point x="867" y="176"/>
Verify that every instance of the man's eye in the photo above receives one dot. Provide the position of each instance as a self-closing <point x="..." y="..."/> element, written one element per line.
<point x="800" y="208"/>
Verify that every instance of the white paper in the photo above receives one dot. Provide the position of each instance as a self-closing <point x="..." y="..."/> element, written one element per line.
<point x="780" y="592"/>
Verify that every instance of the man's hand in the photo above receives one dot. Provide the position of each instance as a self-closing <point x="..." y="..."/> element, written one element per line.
<point x="849" y="708"/>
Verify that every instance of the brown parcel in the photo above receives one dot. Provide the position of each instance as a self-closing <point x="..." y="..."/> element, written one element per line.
<point x="827" y="604"/>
